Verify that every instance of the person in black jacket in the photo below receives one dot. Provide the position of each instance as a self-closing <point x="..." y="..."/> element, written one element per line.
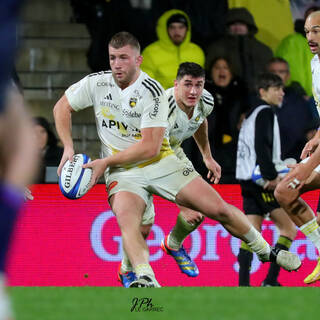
<point x="247" y="54"/>
<point x="259" y="144"/>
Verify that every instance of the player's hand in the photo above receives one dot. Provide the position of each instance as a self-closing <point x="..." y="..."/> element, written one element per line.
<point x="214" y="173"/>
<point x="98" y="168"/>
<point x="68" y="154"/>
<point x="310" y="147"/>
<point x="272" y="184"/>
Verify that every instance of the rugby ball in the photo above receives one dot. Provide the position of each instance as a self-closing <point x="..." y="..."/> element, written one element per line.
<point x="74" y="180"/>
<point x="281" y="168"/>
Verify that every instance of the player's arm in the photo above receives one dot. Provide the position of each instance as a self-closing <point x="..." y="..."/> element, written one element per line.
<point x="62" y="117"/>
<point x="202" y="140"/>
<point x="263" y="145"/>
<point x="148" y="147"/>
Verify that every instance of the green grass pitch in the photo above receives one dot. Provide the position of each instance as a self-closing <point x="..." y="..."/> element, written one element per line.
<point x="217" y="303"/>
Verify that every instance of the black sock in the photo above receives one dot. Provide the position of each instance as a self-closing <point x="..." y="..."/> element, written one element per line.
<point x="244" y="259"/>
<point x="274" y="268"/>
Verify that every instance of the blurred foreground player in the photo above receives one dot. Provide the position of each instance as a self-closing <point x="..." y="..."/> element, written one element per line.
<point x="17" y="151"/>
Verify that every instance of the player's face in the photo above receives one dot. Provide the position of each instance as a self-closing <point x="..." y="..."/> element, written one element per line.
<point x="273" y="95"/>
<point x="221" y="73"/>
<point x="125" y="63"/>
<point x="177" y="32"/>
<point x="188" y="90"/>
<point x="312" y="30"/>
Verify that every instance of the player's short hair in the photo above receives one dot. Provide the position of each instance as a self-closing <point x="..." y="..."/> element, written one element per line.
<point x="124" y="38"/>
<point x="190" y="69"/>
<point x="267" y="80"/>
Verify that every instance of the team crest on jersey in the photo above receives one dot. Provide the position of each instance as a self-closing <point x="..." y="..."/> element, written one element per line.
<point x="133" y="102"/>
<point x="197" y="118"/>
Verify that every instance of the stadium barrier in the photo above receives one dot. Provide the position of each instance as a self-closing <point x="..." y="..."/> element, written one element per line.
<point x="61" y="242"/>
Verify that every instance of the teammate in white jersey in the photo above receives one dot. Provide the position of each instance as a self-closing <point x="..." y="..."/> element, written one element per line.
<point x="305" y="176"/>
<point x="189" y="106"/>
<point x="140" y="160"/>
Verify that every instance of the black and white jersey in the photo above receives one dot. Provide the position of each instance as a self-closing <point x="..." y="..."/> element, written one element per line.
<point x="246" y="154"/>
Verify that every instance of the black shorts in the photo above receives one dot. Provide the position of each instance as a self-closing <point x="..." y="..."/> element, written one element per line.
<point x="256" y="200"/>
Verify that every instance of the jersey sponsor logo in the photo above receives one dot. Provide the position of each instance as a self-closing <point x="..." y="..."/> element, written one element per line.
<point x="104" y="84"/>
<point x="108" y="97"/>
<point x="175" y="126"/>
<point x="110" y="105"/>
<point x="155" y="111"/>
<point x="192" y="127"/>
<point x="110" y="124"/>
<point x="131" y="114"/>
<point x="133" y="102"/>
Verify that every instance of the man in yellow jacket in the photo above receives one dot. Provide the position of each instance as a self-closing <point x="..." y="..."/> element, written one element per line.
<point x="162" y="58"/>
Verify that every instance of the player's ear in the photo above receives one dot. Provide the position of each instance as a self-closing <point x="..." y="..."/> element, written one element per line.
<point x="261" y="92"/>
<point x="175" y="83"/>
<point x="139" y="60"/>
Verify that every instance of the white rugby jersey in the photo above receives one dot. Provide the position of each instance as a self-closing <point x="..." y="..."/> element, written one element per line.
<point x="246" y="155"/>
<point x="180" y="126"/>
<point x="120" y="114"/>
<point x="315" y="70"/>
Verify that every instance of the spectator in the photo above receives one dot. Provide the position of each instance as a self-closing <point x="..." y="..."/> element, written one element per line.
<point x="247" y="54"/>
<point x="272" y="28"/>
<point x="230" y="105"/>
<point x="47" y="142"/>
<point x="103" y="19"/>
<point x="295" y="50"/>
<point x="259" y="144"/>
<point x="208" y="18"/>
<point x="162" y="58"/>
<point x="294" y="112"/>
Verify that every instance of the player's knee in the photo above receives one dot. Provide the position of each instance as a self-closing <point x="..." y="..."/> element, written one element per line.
<point x="126" y="220"/>
<point x="220" y="211"/>
<point x="281" y="193"/>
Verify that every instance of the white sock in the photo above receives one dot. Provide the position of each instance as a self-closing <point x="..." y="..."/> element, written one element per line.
<point x="173" y="243"/>
<point x="144" y="269"/>
<point x="258" y="244"/>
<point x="312" y="230"/>
<point x="125" y="263"/>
